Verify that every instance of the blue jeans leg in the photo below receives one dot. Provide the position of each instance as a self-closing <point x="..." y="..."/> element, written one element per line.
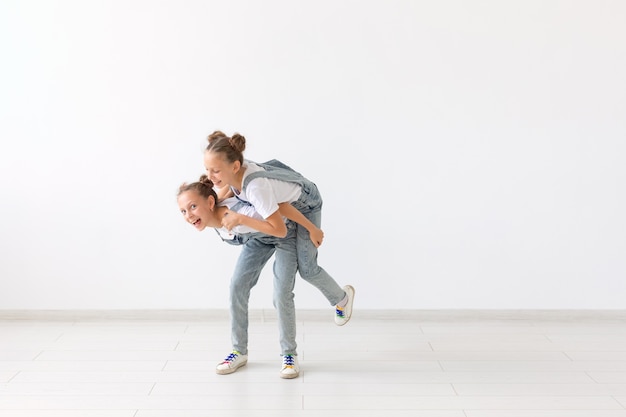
<point x="285" y="268"/>
<point x="309" y="270"/>
<point x="253" y="257"/>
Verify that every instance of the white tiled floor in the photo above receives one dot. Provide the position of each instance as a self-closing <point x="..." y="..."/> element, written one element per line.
<point x="392" y="364"/>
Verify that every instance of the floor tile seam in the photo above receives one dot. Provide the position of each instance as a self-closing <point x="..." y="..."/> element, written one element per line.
<point x="623" y="404"/>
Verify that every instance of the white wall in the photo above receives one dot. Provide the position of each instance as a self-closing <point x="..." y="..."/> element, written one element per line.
<point x="470" y="153"/>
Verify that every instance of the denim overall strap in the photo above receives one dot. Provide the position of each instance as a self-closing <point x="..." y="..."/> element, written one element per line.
<point x="274" y="169"/>
<point x="239" y="204"/>
<point x="310" y="199"/>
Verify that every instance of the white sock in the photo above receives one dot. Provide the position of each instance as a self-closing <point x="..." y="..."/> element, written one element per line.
<point x="343" y="302"/>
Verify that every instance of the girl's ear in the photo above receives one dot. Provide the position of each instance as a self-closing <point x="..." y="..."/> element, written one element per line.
<point x="211" y="202"/>
<point x="236" y="167"/>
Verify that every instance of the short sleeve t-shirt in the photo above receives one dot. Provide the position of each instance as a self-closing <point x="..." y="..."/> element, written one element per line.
<point x="265" y="194"/>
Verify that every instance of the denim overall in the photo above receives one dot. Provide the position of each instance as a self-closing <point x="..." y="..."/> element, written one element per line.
<point x="257" y="249"/>
<point x="310" y="205"/>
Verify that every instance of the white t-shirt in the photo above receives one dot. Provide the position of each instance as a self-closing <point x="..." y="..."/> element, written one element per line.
<point x="265" y="194"/>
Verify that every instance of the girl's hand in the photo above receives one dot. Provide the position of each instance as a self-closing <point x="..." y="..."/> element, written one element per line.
<point x="230" y="219"/>
<point x="317" y="236"/>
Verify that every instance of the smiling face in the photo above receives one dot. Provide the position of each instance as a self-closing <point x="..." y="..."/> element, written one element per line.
<point x="220" y="171"/>
<point x="197" y="210"/>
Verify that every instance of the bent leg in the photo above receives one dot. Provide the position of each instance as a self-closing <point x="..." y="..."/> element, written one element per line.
<point x="309" y="270"/>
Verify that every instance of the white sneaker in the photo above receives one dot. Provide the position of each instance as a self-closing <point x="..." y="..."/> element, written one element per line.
<point x="343" y="314"/>
<point x="290" y="368"/>
<point x="233" y="361"/>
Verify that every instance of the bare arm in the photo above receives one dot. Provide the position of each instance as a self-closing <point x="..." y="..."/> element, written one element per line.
<point x="293" y="214"/>
<point x="274" y="225"/>
<point x="223" y="193"/>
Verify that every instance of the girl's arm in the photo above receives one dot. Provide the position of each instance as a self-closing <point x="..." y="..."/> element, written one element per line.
<point x="223" y="193"/>
<point x="315" y="233"/>
<point x="274" y="225"/>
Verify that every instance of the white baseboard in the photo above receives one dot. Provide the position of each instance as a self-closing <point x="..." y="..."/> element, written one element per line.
<point x="318" y="314"/>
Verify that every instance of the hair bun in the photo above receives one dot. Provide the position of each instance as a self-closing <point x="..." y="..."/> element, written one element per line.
<point x="216" y="135"/>
<point x="238" y="142"/>
<point x="204" y="179"/>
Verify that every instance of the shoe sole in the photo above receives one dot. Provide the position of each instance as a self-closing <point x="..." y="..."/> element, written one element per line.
<point x="351" y="301"/>
<point x="289" y="376"/>
<point x="229" y="370"/>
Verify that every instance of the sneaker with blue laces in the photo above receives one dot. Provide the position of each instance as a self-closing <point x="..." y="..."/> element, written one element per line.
<point x="233" y="361"/>
<point x="343" y="314"/>
<point x="290" y="368"/>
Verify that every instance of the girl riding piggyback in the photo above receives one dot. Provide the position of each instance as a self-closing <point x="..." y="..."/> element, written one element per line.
<point x="265" y="186"/>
